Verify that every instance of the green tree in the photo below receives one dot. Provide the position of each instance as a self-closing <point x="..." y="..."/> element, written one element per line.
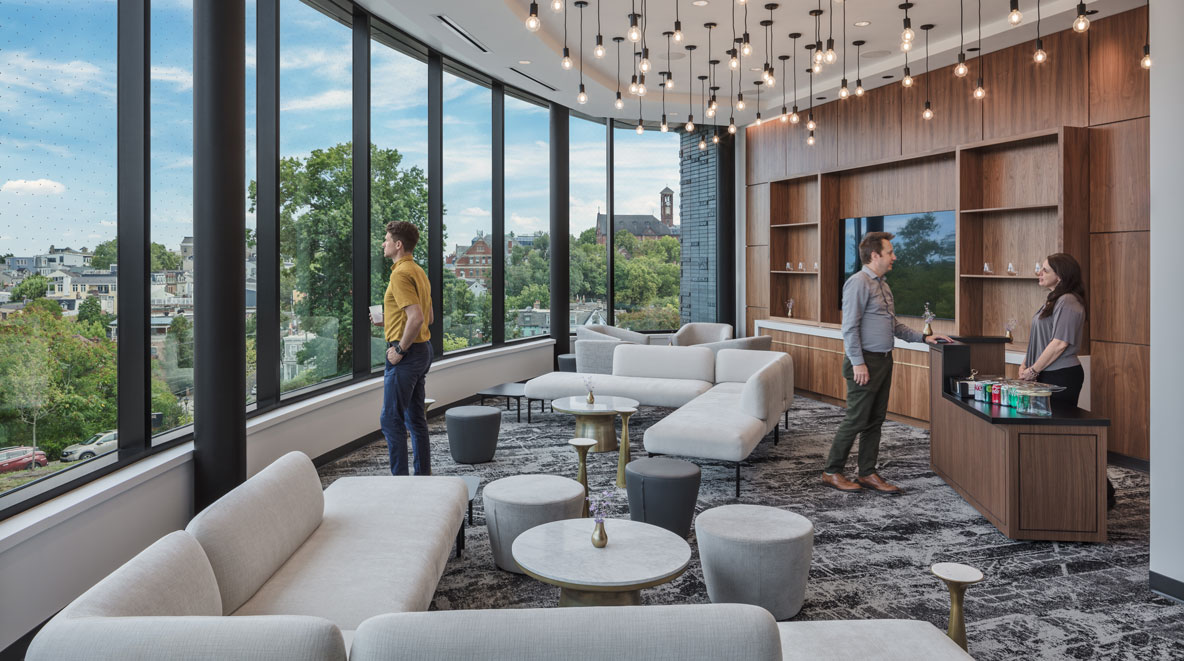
<point x="90" y="310"/>
<point x="106" y="254"/>
<point x="24" y="379"/>
<point x="163" y="259"/>
<point x="45" y="305"/>
<point x="31" y="288"/>
<point x="179" y="341"/>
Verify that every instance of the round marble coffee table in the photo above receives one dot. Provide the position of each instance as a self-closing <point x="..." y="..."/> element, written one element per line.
<point x="595" y="421"/>
<point x="638" y="555"/>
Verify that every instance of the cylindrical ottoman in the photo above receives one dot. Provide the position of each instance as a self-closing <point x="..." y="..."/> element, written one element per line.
<point x="757" y="555"/>
<point x="567" y="362"/>
<point x="516" y="504"/>
<point x="472" y="433"/>
<point x="663" y="491"/>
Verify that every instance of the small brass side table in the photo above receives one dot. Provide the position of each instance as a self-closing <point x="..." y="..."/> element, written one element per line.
<point x="957" y="577"/>
<point x="624" y="458"/>
<point x="582" y="445"/>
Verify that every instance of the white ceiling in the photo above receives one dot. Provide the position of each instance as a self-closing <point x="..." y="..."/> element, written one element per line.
<point x="500" y="26"/>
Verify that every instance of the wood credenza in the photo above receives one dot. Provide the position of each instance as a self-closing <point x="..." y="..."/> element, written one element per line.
<point x="1033" y="477"/>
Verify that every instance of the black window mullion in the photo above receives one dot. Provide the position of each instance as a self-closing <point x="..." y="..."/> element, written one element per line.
<point x="498" y="307"/>
<point x="361" y="191"/>
<point x="560" y="117"/>
<point x="436" y="196"/>
<point x="134" y="141"/>
<point x="610" y="223"/>
<point x="267" y="204"/>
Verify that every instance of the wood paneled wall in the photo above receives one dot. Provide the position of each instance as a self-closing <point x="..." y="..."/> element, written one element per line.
<point x="1090" y="80"/>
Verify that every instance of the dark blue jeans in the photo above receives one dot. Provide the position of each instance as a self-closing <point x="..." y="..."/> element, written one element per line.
<point x="403" y="410"/>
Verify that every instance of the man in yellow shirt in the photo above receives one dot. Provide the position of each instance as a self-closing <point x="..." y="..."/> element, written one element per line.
<point x="405" y="317"/>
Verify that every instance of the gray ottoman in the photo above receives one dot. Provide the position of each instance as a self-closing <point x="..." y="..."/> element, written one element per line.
<point x="757" y="555"/>
<point x="567" y="362"/>
<point x="516" y="504"/>
<point x="472" y="433"/>
<point x="663" y="491"/>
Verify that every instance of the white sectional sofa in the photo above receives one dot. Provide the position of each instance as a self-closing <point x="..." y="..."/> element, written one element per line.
<point x="727" y="401"/>
<point x="276" y="569"/>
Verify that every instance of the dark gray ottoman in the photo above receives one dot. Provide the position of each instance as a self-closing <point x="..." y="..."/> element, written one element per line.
<point x="567" y="362"/>
<point x="663" y="492"/>
<point x="472" y="433"/>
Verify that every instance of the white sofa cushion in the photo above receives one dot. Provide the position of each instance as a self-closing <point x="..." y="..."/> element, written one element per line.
<point x="736" y="365"/>
<point x="761" y="395"/>
<point x="658" y="633"/>
<point x="382" y="521"/>
<point x="647" y="391"/>
<point x="253" y="530"/>
<point x="692" y="363"/>
<point x="595" y="356"/>
<point x="885" y="640"/>
<point x="710" y="427"/>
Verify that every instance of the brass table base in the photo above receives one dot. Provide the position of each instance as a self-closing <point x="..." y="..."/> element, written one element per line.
<point x="573" y="597"/>
<point x="600" y="428"/>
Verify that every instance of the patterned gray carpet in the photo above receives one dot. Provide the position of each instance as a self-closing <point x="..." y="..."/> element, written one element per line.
<point x="1049" y="600"/>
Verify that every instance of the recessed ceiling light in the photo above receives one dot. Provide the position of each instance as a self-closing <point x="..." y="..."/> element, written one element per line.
<point x="862" y="24"/>
<point x="523" y="61"/>
<point x="700" y="3"/>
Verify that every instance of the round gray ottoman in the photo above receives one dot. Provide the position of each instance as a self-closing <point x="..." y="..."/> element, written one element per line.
<point x="663" y="491"/>
<point x="472" y="433"/>
<point x="757" y="555"/>
<point x="567" y="362"/>
<point x="516" y="504"/>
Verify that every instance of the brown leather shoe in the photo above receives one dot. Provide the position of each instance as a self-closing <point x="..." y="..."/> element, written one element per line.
<point x="877" y="483"/>
<point x="840" y="482"/>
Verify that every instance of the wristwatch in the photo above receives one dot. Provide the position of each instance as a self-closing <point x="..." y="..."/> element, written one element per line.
<point x="398" y="348"/>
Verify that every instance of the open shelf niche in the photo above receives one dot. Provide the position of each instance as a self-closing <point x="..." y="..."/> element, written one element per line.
<point x="1019" y="200"/>
<point x="794" y="259"/>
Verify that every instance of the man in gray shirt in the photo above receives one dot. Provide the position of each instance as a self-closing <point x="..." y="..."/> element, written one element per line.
<point x="869" y="326"/>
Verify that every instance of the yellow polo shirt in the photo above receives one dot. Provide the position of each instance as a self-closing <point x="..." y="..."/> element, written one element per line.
<point x="409" y="285"/>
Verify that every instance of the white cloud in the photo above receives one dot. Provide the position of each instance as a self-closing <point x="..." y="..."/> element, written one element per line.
<point x="109" y="223"/>
<point x="182" y="79"/>
<point x="329" y="100"/>
<point x="184" y="162"/>
<point x="35" y="187"/>
<point x="56" y="150"/>
<point x="94" y="236"/>
<point x="527" y="223"/>
<point x="331" y="64"/>
<point x="20" y="70"/>
<point x="476" y="212"/>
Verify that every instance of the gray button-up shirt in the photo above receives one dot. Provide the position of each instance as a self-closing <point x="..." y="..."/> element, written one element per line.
<point x="869" y="316"/>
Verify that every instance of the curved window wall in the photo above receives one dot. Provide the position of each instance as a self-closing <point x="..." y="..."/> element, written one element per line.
<point x="588" y="176"/>
<point x="528" y="220"/>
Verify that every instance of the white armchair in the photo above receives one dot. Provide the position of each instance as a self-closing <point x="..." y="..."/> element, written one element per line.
<point x="701" y="333"/>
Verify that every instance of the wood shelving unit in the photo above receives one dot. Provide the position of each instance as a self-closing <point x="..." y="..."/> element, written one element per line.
<point x="794" y="259"/>
<point x="1019" y="200"/>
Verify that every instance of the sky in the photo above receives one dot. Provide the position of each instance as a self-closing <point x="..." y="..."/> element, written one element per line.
<point x="58" y="141"/>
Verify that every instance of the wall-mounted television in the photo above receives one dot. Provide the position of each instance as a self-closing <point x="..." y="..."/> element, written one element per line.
<point x="924" y="269"/>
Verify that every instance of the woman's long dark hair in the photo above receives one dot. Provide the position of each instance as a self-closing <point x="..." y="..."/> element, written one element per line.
<point x="1069" y="271"/>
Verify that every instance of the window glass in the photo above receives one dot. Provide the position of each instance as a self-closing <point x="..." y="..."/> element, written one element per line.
<point x="647" y="263"/>
<point x="528" y="219"/>
<point x="252" y="272"/>
<point x="316" y="205"/>
<point x="587" y="172"/>
<point x="398" y="163"/>
<point x="58" y="217"/>
<point x="468" y="221"/>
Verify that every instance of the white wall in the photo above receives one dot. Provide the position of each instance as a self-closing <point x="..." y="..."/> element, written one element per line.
<point x="56" y="551"/>
<point x="1167" y="315"/>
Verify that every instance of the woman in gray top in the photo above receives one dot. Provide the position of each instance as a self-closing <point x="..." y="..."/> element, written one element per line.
<point x="1056" y="329"/>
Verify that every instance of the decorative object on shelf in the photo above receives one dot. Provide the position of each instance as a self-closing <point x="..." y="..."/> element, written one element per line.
<point x="928" y="316"/>
<point x="987" y="270"/>
<point x="801" y="266"/>
<point x="598" y="506"/>
<point x="588" y="386"/>
<point x="582" y="445"/>
<point x="789" y="266"/>
<point x="1010" y="326"/>
<point x="1038" y="269"/>
<point x="957" y="578"/>
<point x="1011" y="269"/>
<point x="815" y="267"/>
<point x="789" y="308"/>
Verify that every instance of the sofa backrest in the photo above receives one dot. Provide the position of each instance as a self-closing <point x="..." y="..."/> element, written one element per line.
<point x="694" y="363"/>
<point x="763" y="393"/>
<point x="584" y="332"/>
<point x="595" y="356"/>
<point x="251" y="531"/>
<point x="655" y="633"/>
<point x="737" y="365"/>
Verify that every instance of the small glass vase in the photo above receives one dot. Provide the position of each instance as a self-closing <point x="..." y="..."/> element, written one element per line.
<point x="591" y="398"/>
<point x="599" y="536"/>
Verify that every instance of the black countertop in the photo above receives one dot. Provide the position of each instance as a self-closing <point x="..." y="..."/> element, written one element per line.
<point x="1062" y="414"/>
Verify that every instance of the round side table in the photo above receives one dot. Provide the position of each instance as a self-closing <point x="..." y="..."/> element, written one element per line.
<point x="582" y="445"/>
<point x="957" y="577"/>
<point x="624" y="458"/>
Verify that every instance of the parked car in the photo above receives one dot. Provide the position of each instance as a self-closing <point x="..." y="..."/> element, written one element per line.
<point x="14" y="459"/>
<point x="95" y="445"/>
